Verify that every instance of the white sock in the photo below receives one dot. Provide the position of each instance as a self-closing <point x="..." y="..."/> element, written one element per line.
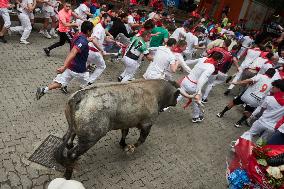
<point x="52" y="30"/>
<point x="45" y="90"/>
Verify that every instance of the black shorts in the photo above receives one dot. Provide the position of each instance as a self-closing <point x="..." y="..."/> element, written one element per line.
<point x="238" y="101"/>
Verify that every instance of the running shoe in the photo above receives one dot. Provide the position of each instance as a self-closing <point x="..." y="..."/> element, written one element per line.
<point x="39" y="93"/>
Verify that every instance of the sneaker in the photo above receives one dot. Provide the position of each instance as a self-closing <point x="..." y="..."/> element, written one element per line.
<point x="64" y="90"/>
<point x="227" y="92"/>
<point x="201" y="118"/>
<point x="53" y="34"/>
<point x="229" y="79"/>
<point x="41" y="32"/>
<point x="47" y="51"/>
<point x="119" y="79"/>
<point x="204" y="101"/>
<point x="195" y="120"/>
<point x="238" y="125"/>
<point x="24" y="42"/>
<point x="46" y="34"/>
<point x="39" y="93"/>
<point x="2" y="39"/>
<point x="220" y="115"/>
<point x="9" y="32"/>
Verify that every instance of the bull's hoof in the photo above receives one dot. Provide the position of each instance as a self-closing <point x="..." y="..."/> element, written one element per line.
<point x="122" y="144"/>
<point x="130" y="148"/>
<point x="69" y="146"/>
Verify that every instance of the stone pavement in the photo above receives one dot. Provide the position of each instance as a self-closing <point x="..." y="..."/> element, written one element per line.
<point x="177" y="154"/>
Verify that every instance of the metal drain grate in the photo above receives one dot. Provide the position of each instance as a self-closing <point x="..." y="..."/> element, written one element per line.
<point x="43" y="155"/>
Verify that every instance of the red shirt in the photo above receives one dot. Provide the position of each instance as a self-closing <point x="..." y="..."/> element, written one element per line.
<point x="65" y="17"/>
<point x="4" y="3"/>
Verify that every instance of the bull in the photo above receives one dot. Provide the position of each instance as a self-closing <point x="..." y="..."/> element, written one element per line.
<point x="98" y="109"/>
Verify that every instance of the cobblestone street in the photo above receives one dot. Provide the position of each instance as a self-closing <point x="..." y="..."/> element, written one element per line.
<point x="177" y="154"/>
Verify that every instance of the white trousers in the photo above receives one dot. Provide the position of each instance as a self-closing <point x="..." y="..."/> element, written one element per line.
<point x="190" y="88"/>
<point x="25" y="28"/>
<point x="236" y="78"/>
<point x="97" y="59"/>
<point x="131" y="67"/>
<point x="213" y="81"/>
<point x="68" y="75"/>
<point x="258" y="128"/>
<point x="6" y="17"/>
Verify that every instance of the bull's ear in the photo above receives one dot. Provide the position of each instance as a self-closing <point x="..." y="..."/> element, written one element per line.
<point x="174" y="83"/>
<point x="177" y="93"/>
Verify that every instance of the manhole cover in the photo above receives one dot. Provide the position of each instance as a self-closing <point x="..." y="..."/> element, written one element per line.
<point x="43" y="155"/>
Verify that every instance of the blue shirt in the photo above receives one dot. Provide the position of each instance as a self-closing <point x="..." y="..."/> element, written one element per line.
<point x="78" y="64"/>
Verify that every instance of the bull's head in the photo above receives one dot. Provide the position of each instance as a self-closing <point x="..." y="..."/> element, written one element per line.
<point x="170" y="95"/>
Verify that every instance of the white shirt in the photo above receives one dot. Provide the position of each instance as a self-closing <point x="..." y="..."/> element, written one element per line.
<point x="24" y="4"/>
<point x="273" y="112"/>
<point x="178" y="34"/>
<point x="49" y="8"/>
<point x="151" y="15"/>
<point x="200" y="73"/>
<point x="247" y="41"/>
<point x="277" y="75"/>
<point x="99" y="34"/>
<point x="191" y="40"/>
<point x="257" y="63"/>
<point x="252" y="54"/>
<point x="256" y="92"/>
<point x="162" y="59"/>
<point x="81" y="11"/>
<point x="265" y="67"/>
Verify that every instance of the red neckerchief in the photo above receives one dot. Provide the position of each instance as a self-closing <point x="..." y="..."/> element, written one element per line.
<point x="103" y="24"/>
<point x="87" y="4"/>
<point x="210" y="61"/>
<point x="281" y="73"/>
<point x="269" y="62"/>
<point x="279" y="123"/>
<point x="279" y="97"/>
<point x="263" y="54"/>
<point x="177" y="50"/>
<point x="75" y="37"/>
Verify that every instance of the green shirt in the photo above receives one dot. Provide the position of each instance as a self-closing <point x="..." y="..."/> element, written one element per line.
<point x="136" y="47"/>
<point x="158" y="40"/>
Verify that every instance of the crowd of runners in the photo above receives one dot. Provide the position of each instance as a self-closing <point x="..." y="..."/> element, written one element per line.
<point x="203" y="49"/>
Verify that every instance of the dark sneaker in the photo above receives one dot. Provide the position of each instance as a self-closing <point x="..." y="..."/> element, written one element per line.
<point x="64" y="90"/>
<point x="229" y="79"/>
<point x="39" y="93"/>
<point x="227" y="92"/>
<point x="204" y="101"/>
<point x="89" y="83"/>
<point x="238" y="125"/>
<point x="119" y="79"/>
<point x="2" y="39"/>
<point x="47" y="51"/>
<point x="220" y="115"/>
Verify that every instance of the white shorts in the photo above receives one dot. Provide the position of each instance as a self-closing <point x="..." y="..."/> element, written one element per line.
<point x="65" y="78"/>
<point x="6" y="17"/>
<point x="48" y="14"/>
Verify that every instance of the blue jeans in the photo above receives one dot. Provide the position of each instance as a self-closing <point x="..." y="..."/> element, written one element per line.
<point x="277" y="138"/>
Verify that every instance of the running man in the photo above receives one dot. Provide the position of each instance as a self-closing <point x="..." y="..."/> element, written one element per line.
<point x="75" y="63"/>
